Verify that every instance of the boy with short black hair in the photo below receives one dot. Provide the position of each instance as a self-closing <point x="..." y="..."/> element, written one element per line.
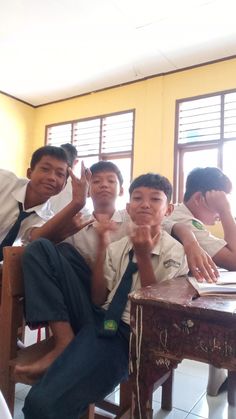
<point x="84" y="346"/>
<point x="106" y="184"/>
<point x="206" y="202"/>
<point x="47" y="176"/>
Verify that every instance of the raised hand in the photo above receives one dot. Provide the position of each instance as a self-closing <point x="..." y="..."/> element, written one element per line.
<point x="80" y="185"/>
<point x="217" y="201"/>
<point x="103" y="226"/>
<point x="142" y="239"/>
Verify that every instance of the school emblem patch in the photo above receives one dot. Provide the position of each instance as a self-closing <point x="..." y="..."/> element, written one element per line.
<point x="110" y="325"/>
<point x="171" y="262"/>
<point x="198" y="225"/>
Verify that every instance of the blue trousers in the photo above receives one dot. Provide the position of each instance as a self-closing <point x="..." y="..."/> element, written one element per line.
<point x="57" y="288"/>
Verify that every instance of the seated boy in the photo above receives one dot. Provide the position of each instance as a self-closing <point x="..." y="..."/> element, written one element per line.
<point x="47" y="176"/>
<point x="106" y="184"/>
<point x="88" y="358"/>
<point x="205" y="202"/>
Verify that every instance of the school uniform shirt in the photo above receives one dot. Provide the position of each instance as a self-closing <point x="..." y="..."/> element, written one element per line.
<point x="168" y="261"/>
<point x="85" y="241"/>
<point x="59" y="201"/>
<point x="211" y="244"/>
<point x="12" y="191"/>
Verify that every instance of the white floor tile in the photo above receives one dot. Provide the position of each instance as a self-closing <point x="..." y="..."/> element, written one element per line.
<point x="189" y="387"/>
<point x="189" y="396"/>
<point x="214" y="407"/>
<point x="158" y="413"/>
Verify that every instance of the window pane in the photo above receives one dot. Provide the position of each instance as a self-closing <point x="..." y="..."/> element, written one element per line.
<point x="199" y="120"/>
<point x="117" y="133"/>
<point x="230" y="116"/>
<point x="59" y="134"/>
<point x="86" y="137"/>
<point x="200" y="158"/>
<point x="229" y="169"/>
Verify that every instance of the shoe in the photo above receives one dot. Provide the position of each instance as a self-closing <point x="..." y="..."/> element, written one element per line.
<point x="217" y="381"/>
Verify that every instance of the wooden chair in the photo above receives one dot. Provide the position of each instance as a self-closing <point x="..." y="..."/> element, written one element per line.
<point x="11" y="317"/>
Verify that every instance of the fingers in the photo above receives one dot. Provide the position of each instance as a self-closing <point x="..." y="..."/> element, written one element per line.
<point x="206" y="270"/>
<point x="85" y="173"/>
<point x="86" y="223"/>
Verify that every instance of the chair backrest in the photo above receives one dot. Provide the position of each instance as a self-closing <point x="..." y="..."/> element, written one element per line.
<point x="13" y="271"/>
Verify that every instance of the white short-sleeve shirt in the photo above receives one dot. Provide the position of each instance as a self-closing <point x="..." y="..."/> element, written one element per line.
<point x="12" y="191"/>
<point x="207" y="241"/>
<point x="85" y="241"/>
<point x="168" y="260"/>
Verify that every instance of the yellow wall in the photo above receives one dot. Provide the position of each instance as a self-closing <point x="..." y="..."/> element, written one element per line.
<point x="22" y="128"/>
<point x="154" y="100"/>
<point x="16" y="133"/>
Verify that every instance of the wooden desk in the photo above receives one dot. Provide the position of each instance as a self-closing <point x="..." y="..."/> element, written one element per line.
<point x="168" y="324"/>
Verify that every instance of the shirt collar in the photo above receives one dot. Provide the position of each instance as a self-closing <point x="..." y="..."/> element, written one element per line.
<point x="117" y="217"/>
<point x="43" y="210"/>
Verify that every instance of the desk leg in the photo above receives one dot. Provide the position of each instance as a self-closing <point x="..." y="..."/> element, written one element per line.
<point x="142" y="399"/>
<point x="232" y="388"/>
<point x="144" y="381"/>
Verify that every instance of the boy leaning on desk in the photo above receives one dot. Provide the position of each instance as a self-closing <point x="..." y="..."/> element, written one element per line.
<point x="206" y="202"/>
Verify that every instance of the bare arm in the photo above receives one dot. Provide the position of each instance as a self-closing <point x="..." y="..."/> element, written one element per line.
<point x="218" y="201"/>
<point x="99" y="291"/>
<point x="65" y="222"/>
<point x="200" y="263"/>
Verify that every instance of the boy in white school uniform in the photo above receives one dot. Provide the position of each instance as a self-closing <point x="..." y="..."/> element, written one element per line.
<point x="106" y="184"/>
<point x="47" y="176"/>
<point x="74" y="374"/>
<point x="205" y="203"/>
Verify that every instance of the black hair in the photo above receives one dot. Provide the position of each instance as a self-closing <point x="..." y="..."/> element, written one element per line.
<point x="152" y="180"/>
<point x="107" y="166"/>
<point x="48" y="150"/>
<point x="206" y="179"/>
<point x="71" y="152"/>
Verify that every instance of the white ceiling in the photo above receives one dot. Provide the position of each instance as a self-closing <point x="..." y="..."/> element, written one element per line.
<point x="55" y="49"/>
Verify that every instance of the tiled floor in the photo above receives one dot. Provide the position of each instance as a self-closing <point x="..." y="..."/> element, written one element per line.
<point x="189" y="398"/>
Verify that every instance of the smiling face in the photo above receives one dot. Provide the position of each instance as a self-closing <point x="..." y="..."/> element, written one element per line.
<point x="148" y="206"/>
<point x="47" y="178"/>
<point x="104" y="189"/>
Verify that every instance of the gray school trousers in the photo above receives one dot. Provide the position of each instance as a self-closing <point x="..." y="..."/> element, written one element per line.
<point x="57" y="288"/>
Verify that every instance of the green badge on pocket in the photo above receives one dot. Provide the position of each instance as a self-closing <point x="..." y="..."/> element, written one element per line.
<point x="110" y="325"/>
<point x="198" y="225"/>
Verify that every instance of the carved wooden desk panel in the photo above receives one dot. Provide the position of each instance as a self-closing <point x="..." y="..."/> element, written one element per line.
<point x="168" y="324"/>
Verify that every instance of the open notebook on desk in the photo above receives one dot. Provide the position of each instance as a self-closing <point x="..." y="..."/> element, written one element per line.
<point x="225" y="285"/>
